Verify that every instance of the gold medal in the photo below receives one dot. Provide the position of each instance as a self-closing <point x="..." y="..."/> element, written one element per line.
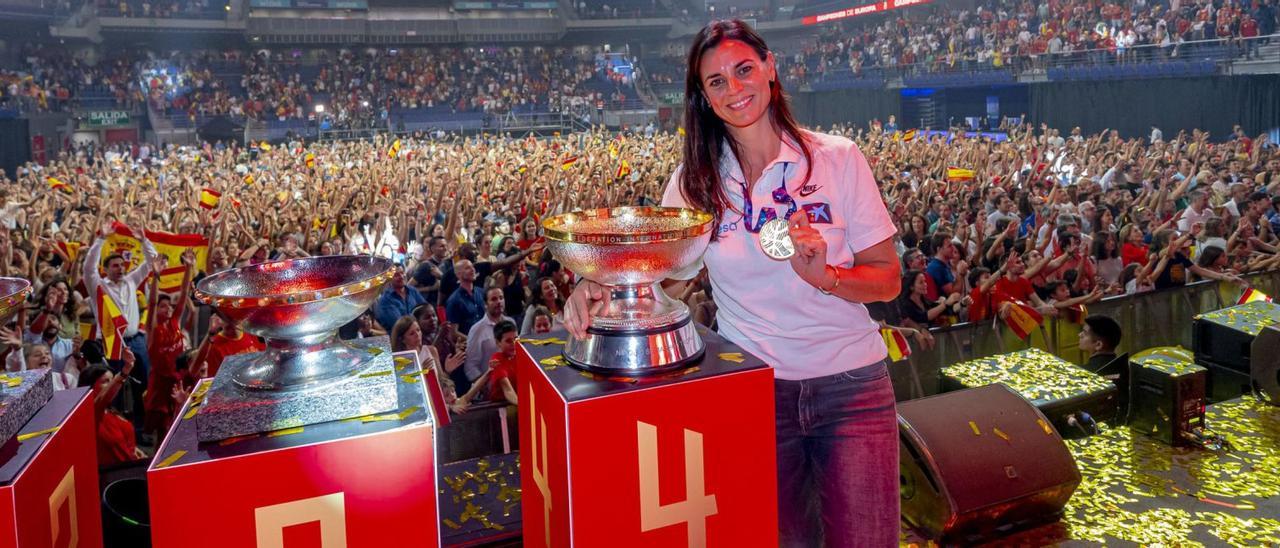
<point x="775" y="240"/>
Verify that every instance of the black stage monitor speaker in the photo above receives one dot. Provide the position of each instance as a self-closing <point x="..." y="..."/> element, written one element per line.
<point x="981" y="462"/>
<point x="1265" y="373"/>
<point x="1168" y="399"/>
<point x="1225" y="337"/>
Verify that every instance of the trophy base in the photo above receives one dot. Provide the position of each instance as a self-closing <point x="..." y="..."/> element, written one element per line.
<point x="231" y="409"/>
<point x="636" y="353"/>
<point x="22" y="394"/>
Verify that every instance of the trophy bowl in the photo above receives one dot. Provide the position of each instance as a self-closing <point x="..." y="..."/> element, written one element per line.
<point x="297" y="306"/>
<point x="630" y="250"/>
<point x="13" y="293"/>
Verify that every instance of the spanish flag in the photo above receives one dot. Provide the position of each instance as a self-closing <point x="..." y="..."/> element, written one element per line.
<point x="209" y="198"/>
<point x="568" y="163"/>
<point x="248" y="179"/>
<point x="310" y="160"/>
<point x="111" y="323"/>
<point x="72" y="249"/>
<point x="394" y="150"/>
<point x="910" y="135"/>
<point x="171" y="278"/>
<point x="1022" y="318"/>
<point x="88" y="331"/>
<point x="57" y="184"/>
<point x="959" y="174"/>
<point x="264" y="146"/>
<point x="1253" y="295"/>
<point x="896" y="343"/>
<point x="624" y="169"/>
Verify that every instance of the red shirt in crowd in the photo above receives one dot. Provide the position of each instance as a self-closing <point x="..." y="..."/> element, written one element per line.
<point x="166" y="345"/>
<point x="500" y="367"/>
<point x="222" y="347"/>
<point x="1130" y="253"/>
<point x="116" y="441"/>
<point x="980" y="309"/>
<point x="1009" y="290"/>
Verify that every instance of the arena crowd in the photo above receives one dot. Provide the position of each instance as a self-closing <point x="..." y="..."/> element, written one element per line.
<point x="1048" y="218"/>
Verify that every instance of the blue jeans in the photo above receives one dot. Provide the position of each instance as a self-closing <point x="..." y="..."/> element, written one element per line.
<point x="838" y="460"/>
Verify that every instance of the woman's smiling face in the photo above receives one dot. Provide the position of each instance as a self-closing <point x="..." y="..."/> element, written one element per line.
<point x="736" y="82"/>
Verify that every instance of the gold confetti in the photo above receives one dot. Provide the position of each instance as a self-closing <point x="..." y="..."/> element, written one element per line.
<point x="169" y="460"/>
<point x="402" y="415"/>
<point x="237" y="439"/>
<point x="542" y="342"/>
<point x="1048" y="430"/>
<point x="375" y="374"/>
<point x="409" y="378"/>
<point x="1000" y="433"/>
<point x="735" y="357"/>
<point x="1035" y="374"/>
<point x="24" y="437"/>
<point x="974" y="426"/>
<point x="285" y="432"/>
<point x="553" y="362"/>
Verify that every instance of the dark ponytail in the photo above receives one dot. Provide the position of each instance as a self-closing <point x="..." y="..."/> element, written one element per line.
<point x="704" y="130"/>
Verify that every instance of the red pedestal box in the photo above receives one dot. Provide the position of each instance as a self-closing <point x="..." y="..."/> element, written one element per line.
<point x="687" y="459"/>
<point x="359" y="483"/>
<point x="49" y="478"/>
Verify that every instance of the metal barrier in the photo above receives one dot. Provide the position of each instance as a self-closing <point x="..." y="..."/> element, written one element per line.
<point x="1155" y="318"/>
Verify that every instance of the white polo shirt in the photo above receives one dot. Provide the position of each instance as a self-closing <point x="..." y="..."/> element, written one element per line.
<point x="763" y="305"/>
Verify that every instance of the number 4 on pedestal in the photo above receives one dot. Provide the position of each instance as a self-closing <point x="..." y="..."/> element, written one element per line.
<point x="696" y="506"/>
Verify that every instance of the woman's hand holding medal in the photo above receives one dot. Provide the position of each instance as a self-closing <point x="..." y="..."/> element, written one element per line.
<point x="810" y="258"/>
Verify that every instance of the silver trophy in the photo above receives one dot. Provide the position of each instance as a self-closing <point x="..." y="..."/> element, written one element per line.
<point x="22" y="393"/>
<point x="630" y="250"/>
<point x="306" y="375"/>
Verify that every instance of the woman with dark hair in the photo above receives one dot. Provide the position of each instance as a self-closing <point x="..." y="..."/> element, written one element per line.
<point x="916" y="311"/>
<point x="547" y="296"/>
<point x="801" y="240"/>
<point x="1106" y="255"/>
<point x="116" y="441"/>
<point x="59" y="303"/>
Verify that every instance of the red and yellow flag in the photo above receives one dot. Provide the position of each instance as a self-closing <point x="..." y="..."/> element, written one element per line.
<point x="568" y="163"/>
<point x="264" y="146"/>
<point x="248" y="179"/>
<point x="624" y="169"/>
<point x="171" y="278"/>
<point x="170" y="246"/>
<point x="209" y="198"/>
<point x="394" y="150"/>
<point x="1022" y="318"/>
<point x="959" y="174"/>
<point x="111" y="324"/>
<point x="310" y="160"/>
<point x="1253" y="295"/>
<point x="57" y="184"/>
<point x="896" y="343"/>
<point x="72" y="249"/>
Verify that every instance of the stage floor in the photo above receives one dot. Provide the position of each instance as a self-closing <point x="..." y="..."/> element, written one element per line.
<point x="1138" y="491"/>
<point x="1135" y="490"/>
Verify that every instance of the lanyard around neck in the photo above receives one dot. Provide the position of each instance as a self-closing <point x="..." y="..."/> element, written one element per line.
<point x="780" y="196"/>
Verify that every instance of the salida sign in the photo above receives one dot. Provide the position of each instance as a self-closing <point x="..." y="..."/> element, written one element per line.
<point x="109" y="118"/>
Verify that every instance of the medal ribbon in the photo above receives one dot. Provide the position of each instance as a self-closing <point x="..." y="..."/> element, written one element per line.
<point x="780" y="196"/>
